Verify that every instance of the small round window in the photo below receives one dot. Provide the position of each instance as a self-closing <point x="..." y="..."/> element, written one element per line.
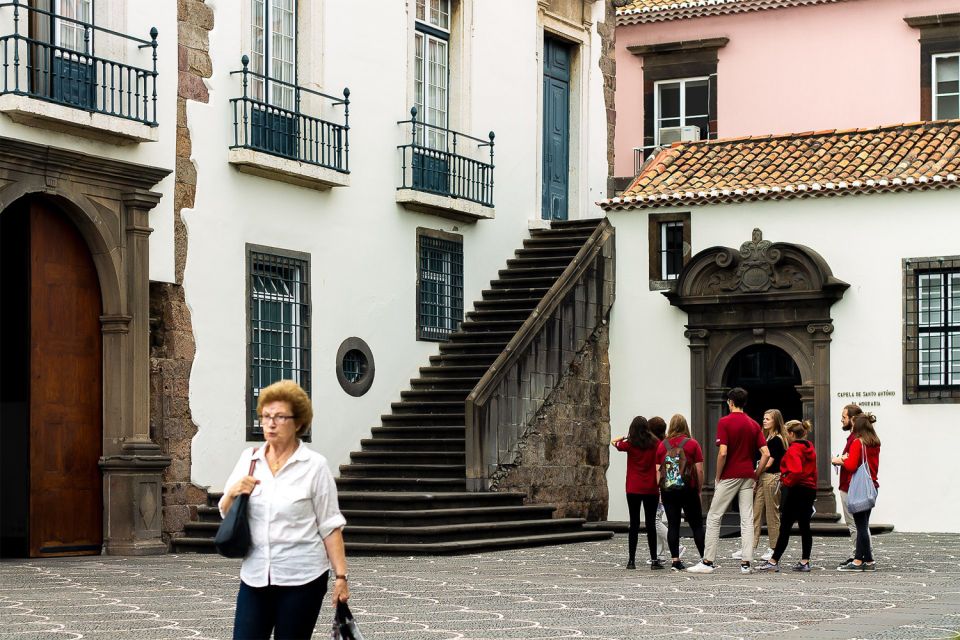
<point x="355" y="366"/>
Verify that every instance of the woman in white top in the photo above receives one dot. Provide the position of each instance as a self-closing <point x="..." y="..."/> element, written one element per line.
<point x="295" y="524"/>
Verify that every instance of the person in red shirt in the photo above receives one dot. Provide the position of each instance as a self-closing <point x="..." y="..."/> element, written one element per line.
<point x="849" y="412"/>
<point x="866" y="444"/>
<point x="640" y="445"/>
<point x="687" y="499"/>
<point x="739" y="437"/>
<point x="798" y="475"/>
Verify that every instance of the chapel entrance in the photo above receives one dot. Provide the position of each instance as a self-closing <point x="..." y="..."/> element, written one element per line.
<point x="51" y="385"/>
<point x="771" y="378"/>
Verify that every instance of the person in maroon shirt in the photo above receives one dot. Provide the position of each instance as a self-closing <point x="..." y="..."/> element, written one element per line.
<point x="739" y="437"/>
<point x="687" y="499"/>
<point x="640" y="445"/>
<point x="849" y="412"/>
<point x="798" y="474"/>
<point x="866" y="444"/>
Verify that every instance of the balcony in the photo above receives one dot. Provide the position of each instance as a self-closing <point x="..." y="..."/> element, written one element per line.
<point x="54" y="76"/>
<point x="437" y="179"/>
<point x="290" y="142"/>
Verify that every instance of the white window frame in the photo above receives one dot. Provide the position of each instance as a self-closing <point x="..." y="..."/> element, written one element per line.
<point x="933" y="82"/>
<point x="664" y="265"/>
<point x="73" y="9"/>
<point x="278" y="95"/>
<point x="436" y="18"/>
<point x="683" y="103"/>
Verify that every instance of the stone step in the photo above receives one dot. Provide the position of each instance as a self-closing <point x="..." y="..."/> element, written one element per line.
<point x="473" y="358"/>
<point x="431" y="407"/>
<point x="485" y="343"/>
<point x="417" y="431"/>
<point x="553" y="241"/>
<point x="424" y="419"/>
<point x="570" y="235"/>
<point x="512" y="284"/>
<point x="581" y="223"/>
<point x="187" y="544"/>
<point x="466" y="531"/>
<point x="391" y="501"/>
<point x="464" y="515"/>
<point x="506" y="315"/>
<point x="404" y="456"/>
<point x="537" y="261"/>
<point x="208" y="514"/>
<point x="523" y="273"/>
<point x="443" y="383"/>
<point x="474" y="546"/>
<point x="390" y="445"/>
<point x="514" y="292"/>
<point x="452" y="394"/>
<point x="567" y="251"/>
<point x="393" y="469"/>
<point x="402" y="484"/>
<point x="454" y="370"/>
<point x="476" y="329"/>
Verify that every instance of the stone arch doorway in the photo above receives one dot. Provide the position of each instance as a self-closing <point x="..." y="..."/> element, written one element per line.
<point x="770" y="376"/>
<point x="51" y="385"/>
<point x="765" y="298"/>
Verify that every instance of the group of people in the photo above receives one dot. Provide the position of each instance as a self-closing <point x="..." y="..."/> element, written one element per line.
<point x="770" y="470"/>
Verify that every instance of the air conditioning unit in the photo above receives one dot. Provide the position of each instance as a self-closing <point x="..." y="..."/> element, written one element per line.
<point x="669" y="135"/>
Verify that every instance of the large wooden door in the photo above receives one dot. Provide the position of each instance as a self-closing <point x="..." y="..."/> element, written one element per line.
<point x="65" y="389"/>
<point x="556" y="129"/>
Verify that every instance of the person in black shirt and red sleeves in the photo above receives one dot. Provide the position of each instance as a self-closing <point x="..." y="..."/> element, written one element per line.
<point x="798" y="475"/>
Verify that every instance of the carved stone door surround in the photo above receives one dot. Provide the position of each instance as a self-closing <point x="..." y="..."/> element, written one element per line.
<point x="109" y="202"/>
<point x="764" y="293"/>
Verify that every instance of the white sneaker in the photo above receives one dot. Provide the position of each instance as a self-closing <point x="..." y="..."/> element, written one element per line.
<point x="745" y="568"/>
<point x="682" y="549"/>
<point x="701" y="568"/>
<point x="737" y="555"/>
<point x="767" y="555"/>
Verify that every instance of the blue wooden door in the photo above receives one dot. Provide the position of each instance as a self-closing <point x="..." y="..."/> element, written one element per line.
<point x="556" y="129"/>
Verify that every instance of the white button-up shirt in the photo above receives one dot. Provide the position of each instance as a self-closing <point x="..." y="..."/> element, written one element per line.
<point x="290" y="514"/>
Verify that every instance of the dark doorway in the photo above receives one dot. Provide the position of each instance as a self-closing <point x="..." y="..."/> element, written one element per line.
<point x="770" y="377"/>
<point x="50" y="348"/>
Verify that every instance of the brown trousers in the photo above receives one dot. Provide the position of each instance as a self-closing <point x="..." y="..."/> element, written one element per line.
<point x="766" y="501"/>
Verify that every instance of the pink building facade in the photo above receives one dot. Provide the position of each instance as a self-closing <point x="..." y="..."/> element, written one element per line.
<point x="732" y="69"/>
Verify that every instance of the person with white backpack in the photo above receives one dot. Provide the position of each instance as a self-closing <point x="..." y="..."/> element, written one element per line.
<point x="864" y="450"/>
<point x="680" y="474"/>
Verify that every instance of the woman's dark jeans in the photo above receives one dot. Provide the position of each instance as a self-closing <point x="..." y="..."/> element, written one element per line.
<point x="864" y="552"/>
<point x="796" y="506"/>
<point x="649" y="502"/>
<point x="289" y="612"/>
<point x="687" y="501"/>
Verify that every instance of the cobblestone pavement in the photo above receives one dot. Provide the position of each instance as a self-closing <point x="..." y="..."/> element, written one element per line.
<point x="572" y="591"/>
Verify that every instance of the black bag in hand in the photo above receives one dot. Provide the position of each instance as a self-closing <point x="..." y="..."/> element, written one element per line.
<point x="233" y="536"/>
<point x="344" y="625"/>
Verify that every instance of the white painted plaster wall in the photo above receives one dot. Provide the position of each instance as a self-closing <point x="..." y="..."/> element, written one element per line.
<point x="134" y="18"/>
<point x="361" y="244"/>
<point x="864" y="240"/>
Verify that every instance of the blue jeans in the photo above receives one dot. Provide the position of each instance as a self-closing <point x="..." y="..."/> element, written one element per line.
<point x="290" y="612"/>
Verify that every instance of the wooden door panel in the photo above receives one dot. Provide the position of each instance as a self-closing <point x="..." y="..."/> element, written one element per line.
<point x="65" y="390"/>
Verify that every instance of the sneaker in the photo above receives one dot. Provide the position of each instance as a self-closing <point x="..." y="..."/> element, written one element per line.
<point x="850" y="566"/>
<point x="769" y="566"/>
<point x="678" y="566"/>
<point x="737" y="555"/>
<point x="656" y="565"/>
<point x="803" y="567"/>
<point x="767" y="555"/>
<point x="745" y="568"/>
<point x="682" y="549"/>
<point x="847" y="561"/>
<point x="869" y="566"/>
<point x="700" y="567"/>
<point x="631" y="565"/>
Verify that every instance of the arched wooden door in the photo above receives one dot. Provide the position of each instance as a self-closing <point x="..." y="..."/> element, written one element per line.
<point x="64" y="364"/>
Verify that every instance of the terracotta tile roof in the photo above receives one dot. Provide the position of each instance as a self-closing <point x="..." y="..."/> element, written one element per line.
<point x="921" y="155"/>
<point x="639" y="11"/>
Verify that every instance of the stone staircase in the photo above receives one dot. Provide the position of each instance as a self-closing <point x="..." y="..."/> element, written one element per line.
<point x="404" y="491"/>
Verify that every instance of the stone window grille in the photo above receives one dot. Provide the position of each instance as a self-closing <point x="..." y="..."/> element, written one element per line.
<point x="931" y="349"/>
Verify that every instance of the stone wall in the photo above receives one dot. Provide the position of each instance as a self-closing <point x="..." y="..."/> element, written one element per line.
<point x="608" y="67"/>
<point x="564" y="454"/>
<point x="172" y="346"/>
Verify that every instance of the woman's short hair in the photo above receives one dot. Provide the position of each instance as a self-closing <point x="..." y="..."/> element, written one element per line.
<point x="678" y="426"/>
<point x="293" y="394"/>
<point x="657" y="427"/>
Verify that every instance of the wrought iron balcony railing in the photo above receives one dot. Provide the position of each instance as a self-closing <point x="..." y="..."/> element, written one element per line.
<point x="431" y="163"/>
<point x="289" y="132"/>
<point x="53" y="58"/>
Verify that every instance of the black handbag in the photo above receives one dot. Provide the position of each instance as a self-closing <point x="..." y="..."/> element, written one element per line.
<point x="344" y="624"/>
<point x="233" y="535"/>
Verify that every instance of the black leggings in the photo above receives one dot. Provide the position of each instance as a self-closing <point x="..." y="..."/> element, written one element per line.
<point x="864" y="551"/>
<point x="796" y="506"/>
<point x="688" y="501"/>
<point x="649" y="502"/>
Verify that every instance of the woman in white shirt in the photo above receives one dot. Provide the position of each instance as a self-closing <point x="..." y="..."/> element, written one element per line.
<point x="295" y="523"/>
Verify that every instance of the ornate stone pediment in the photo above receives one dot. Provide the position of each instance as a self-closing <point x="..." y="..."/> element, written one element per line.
<point x="760" y="267"/>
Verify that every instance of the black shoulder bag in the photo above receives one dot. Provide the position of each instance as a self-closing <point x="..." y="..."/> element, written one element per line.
<point x="344" y="624"/>
<point x="233" y="536"/>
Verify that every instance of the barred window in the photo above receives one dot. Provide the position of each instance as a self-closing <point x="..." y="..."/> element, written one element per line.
<point x="932" y="327"/>
<point x="439" y="285"/>
<point x="278" y="324"/>
<point x="669" y="246"/>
